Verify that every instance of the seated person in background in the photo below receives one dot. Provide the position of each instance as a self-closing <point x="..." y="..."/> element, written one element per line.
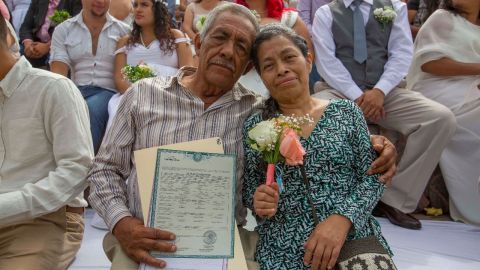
<point x="307" y="9"/>
<point x="446" y="68"/>
<point x="194" y="11"/>
<point x="47" y="155"/>
<point x="36" y="31"/>
<point x="365" y="61"/>
<point x="317" y="214"/>
<point x="153" y="42"/>
<point x="122" y="10"/>
<point x="195" y="104"/>
<point x="18" y="10"/>
<point x="419" y="11"/>
<point x="85" y="46"/>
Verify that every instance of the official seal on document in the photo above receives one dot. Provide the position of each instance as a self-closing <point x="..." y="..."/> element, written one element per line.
<point x="209" y="237"/>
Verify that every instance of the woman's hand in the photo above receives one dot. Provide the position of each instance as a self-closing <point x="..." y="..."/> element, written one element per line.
<point x="325" y="242"/>
<point x="265" y="200"/>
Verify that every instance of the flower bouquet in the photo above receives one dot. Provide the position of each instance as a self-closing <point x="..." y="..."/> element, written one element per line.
<point x="277" y="139"/>
<point x="138" y="72"/>
<point x="200" y="23"/>
<point x="385" y="15"/>
<point x="58" y="17"/>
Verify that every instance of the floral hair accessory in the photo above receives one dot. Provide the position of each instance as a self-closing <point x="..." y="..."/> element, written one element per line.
<point x="136" y="73"/>
<point x="385" y="15"/>
<point x="277" y="140"/>
<point x="58" y="17"/>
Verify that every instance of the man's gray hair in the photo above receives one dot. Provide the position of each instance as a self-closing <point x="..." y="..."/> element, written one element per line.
<point x="228" y="7"/>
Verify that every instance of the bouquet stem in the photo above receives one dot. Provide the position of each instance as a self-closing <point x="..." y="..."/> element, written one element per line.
<point x="270" y="174"/>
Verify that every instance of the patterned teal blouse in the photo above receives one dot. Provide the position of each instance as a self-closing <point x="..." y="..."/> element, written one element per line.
<point x="338" y="155"/>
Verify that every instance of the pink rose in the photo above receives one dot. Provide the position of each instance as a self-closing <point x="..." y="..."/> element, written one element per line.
<point x="291" y="148"/>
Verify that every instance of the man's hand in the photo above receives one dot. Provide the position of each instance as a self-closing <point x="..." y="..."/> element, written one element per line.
<point x="137" y="240"/>
<point x="40" y="49"/>
<point x="386" y="162"/>
<point x="325" y="242"/>
<point x="265" y="200"/>
<point x="371" y="103"/>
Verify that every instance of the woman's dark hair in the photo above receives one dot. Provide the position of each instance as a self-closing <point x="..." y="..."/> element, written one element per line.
<point x="274" y="7"/>
<point x="3" y="31"/>
<point x="267" y="33"/>
<point x="162" y="28"/>
<point x="448" y="5"/>
<point x="431" y="6"/>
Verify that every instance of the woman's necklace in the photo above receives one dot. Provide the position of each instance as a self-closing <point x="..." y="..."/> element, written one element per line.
<point x="141" y="40"/>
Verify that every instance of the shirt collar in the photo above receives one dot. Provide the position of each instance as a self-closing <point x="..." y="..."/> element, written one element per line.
<point x="238" y="90"/>
<point x="15" y="76"/>
<point x="349" y="2"/>
<point x="79" y="19"/>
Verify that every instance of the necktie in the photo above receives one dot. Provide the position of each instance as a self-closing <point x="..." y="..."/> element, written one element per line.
<point x="359" y="37"/>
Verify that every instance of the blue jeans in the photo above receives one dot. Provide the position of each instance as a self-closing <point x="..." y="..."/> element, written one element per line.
<point x="97" y="101"/>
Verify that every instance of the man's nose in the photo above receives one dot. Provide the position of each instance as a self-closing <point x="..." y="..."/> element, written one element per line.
<point x="228" y="49"/>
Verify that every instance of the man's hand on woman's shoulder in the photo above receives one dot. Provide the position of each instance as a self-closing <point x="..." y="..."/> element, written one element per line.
<point x="385" y="164"/>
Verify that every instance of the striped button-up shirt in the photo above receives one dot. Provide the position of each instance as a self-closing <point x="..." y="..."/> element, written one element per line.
<point x="160" y="111"/>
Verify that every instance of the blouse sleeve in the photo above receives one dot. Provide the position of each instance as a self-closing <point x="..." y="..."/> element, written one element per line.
<point x="434" y="40"/>
<point x="368" y="190"/>
<point x="254" y="174"/>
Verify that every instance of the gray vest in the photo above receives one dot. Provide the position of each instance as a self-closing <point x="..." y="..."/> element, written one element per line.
<point x="367" y="74"/>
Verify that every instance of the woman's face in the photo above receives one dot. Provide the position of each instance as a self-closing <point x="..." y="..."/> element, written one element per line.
<point x="283" y="68"/>
<point x="143" y="11"/>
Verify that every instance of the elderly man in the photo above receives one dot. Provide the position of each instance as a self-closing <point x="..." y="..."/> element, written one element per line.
<point x="46" y="155"/>
<point x="195" y="104"/>
<point x="85" y="45"/>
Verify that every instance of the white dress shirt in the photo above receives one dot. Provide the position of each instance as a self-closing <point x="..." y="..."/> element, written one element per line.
<point x="400" y="50"/>
<point x="45" y="144"/>
<point x="72" y="45"/>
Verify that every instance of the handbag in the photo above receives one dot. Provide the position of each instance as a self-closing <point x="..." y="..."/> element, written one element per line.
<point x="359" y="254"/>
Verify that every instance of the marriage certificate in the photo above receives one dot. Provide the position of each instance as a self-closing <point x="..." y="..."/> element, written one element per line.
<point x="193" y="196"/>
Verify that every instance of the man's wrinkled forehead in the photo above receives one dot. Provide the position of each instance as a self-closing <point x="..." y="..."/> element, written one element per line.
<point x="233" y="21"/>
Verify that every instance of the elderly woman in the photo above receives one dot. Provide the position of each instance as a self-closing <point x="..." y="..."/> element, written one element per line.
<point x="446" y="68"/>
<point x="326" y="203"/>
<point x="274" y="11"/>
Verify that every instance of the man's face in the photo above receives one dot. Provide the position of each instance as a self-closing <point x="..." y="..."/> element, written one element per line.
<point x="97" y="8"/>
<point x="225" y="50"/>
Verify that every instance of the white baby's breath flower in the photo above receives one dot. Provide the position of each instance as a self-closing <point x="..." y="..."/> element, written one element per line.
<point x="378" y="11"/>
<point x="385" y="15"/>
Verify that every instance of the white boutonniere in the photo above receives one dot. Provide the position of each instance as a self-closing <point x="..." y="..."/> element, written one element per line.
<point x="385" y="15"/>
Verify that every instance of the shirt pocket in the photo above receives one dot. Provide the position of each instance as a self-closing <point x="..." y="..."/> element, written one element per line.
<point x="108" y="46"/>
<point x="27" y="139"/>
<point x="76" y="49"/>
